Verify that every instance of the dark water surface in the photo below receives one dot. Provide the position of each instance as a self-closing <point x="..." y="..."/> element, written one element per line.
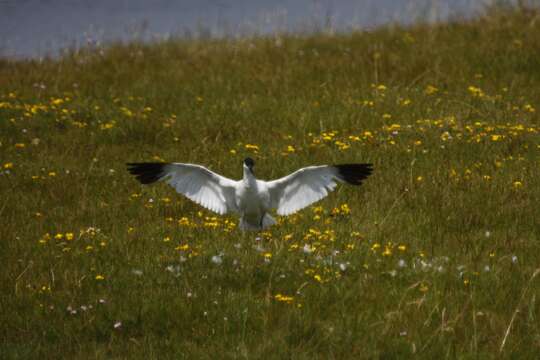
<point x="33" y="28"/>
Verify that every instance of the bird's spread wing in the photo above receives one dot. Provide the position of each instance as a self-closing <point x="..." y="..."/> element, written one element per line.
<point x="205" y="187"/>
<point x="310" y="184"/>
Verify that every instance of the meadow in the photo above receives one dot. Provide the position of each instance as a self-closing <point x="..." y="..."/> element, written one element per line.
<point x="435" y="256"/>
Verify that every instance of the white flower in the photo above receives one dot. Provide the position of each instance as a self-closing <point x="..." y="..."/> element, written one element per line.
<point x="173" y="269"/>
<point x="514" y="259"/>
<point x="425" y="265"/>
<point x="307" y="249"/>
<point x="137" y="272"/>
<point x="487" y="268"/>
<point x="259" y="248"/>
<point x="217" y="259"/>
<point x="342" y="266"/>
<point x="488" y="234"/>
<point x="117" y="324"/>
<point x="402" y="263"/>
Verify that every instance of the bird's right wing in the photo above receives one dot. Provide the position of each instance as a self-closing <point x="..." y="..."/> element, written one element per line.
<point x="205" y="187"/>
<point x="310" y="184"/>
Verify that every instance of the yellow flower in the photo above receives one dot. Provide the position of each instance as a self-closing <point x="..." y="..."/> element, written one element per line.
<point x="529" y="108"/>
<point x="405" y="102"/>
<point x="20" y="145"/>
<point x="69" y="236"/>
<point x="267" y="255"/>
<point x="423" y="288"/>
<point x="166" y="239"/>
<point x="496" y="137"/>
<point x="284" y="298"/>
<point x="317" y="209"/>
<point x="420" y="178"/>
<point x="52" y="174"/>
<point x="57" y="101"/>
<point x="430" y="89"/>
<point x="402" y="247"/>
<point x="317" y="277"/>
<point x="445" y="136"/>
<point x="59" y="236"/>
<point x="108" y="125"/>
<point x="251" y="147"/>
<point x="476" y="92"/>
<point x="100" y="277"/>
<point x="517" y="184"/>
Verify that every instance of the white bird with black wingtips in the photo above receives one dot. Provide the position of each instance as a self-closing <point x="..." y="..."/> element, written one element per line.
<point x="251" y="198"/>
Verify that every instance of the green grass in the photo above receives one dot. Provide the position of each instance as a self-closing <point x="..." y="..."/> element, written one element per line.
<point x="437" y="257"/>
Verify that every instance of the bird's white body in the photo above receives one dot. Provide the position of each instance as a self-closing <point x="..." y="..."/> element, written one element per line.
<point x="251" y="198"/>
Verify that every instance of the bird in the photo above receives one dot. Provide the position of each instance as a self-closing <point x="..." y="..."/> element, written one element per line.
<point x="252" y="199"/>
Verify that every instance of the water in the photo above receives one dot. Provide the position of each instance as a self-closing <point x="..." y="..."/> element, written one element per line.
<point x="34" y="28"/>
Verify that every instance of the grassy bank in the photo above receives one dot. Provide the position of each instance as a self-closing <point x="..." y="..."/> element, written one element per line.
<point x="435" y="256"/>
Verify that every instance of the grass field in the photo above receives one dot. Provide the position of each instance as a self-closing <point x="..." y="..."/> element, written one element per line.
<point x="436" y="256"/>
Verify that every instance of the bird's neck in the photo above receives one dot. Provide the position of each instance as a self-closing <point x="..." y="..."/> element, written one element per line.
<point x="249" y="179"/>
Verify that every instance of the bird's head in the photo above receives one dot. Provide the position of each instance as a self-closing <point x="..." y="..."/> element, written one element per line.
<point x="249" y="164"/>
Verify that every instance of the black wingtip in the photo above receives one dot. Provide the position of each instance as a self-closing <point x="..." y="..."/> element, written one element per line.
<point x="147" y="173"/>
<point x="354" y="173"/>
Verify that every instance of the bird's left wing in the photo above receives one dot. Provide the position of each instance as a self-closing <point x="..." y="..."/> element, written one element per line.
<point x="310" y="184"/>
<point x="205" y="187"/>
